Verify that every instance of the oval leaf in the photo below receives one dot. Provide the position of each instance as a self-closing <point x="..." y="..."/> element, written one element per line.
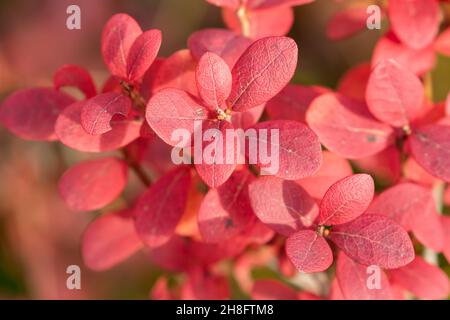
<point x="282" y="205"/>
<point x="161" y="207"/>
<point x="118" y="36"/>
<point x="293" y="149"/>
<point x="93" y="184"/>
<point x="270" y="60"/>
<point x="394" y="94"/>
<point x="346" y="127"/>
<point x="213" y="80"/>
<point x="308" y="251"/>
<point x="356" y="281"/>
<point x="142" y="54"/>
<point x="97" y="112"/>
<point x="31" y="113"/>
<point x="70" y="75"/>
<point x="346" y="200"/>
<point x="109" y="240"/>
<point x="374" y="240"/>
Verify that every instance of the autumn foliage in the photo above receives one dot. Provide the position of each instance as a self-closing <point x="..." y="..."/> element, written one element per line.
<point x="363" y="168"/>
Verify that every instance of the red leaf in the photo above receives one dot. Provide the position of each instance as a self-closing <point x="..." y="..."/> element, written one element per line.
<point x="226" y="211"/>
<point x="346" y="200"/>
<point x="298" y="150"/>
<point x="292" y="102"/>
<point x="355" y="284"/>
<point x="172" y="109"/>
<point x="160" y="290"/>
<point x="269" y="289"/>
<point x="202" y="285"/>
<point x="232" y="4"/>
<point x="70" y="75"/>
<point x="354" y="82"/>
<point x="401" y="202"/>
<point x="445" y="221"/>
<point x="333" y="169"/>
<point x="118" y="36"/>
<point x="160" y="208"/>
<point x="415" y="22"/>
<point x="270" y="60"/>
<point x="259" y="4"/>
<point x="418" y="61"/>
<point x="346" y="23"/>
<point x="308" y="251"/>
<point x="31" y="113"/>
<point x="177" y="71"/>
<point x="217" y="147"/>
<point x="213" y="80"/>
<point x="385" y="166"/>
<point x="225" y="43"/>
<point x="282" y="205"/>
<point x="442" y="43"/>
<point x="109" y="240"/>
<point x="93" y="184"/>
<point x="422" y="279"/>
<point x="97" y="112"/>
<point x="247" y="118"/>
<point x="70" y="132"/>
<point x="346" y="127"/>
<point x="413" y="207"/>
<point x="260" y="23"/>
<point x="142" y="54"/>
<point x="430" y="147"/>
<point x="394" y="94"/>
<point x="374" y="240"/>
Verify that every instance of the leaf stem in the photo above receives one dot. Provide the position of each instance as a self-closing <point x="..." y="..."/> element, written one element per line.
<point x="243" y="19"/>
<point x="140" y="173"/>
<point x="438" y="195"/>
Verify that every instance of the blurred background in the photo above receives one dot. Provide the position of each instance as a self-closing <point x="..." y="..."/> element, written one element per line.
<point x="39" y="237"/>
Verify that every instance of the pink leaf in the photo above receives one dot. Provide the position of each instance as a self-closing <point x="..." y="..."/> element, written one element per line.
<point x="346" y="23"/>
<point x="93" y="184"/>
<point x="70" y="132"/>
<point x="422" y="279"/>
<point x="31" y="113"/>
<point x="415" y="22"/>
<point x="160" y="208"/>
<point x="219" y="152"/>
<point x="270" y="60"/>
<point x="374" y="240"/>
<point x="172" y="109"/>
<point x="442" y="43"/>
<point x="70" y="75"/>
<point x="109" y="240"/>
<point x="282" y="205"/>
<point x="430" y="147"/>
<point x="346" y="127"/>
<point x="142" y="54"/>
<point x="394" y="94"/>
<point x="355" y="281"/>
<point x="97" y="112"/>
<point x="308" y="251"/>
<point x="346" y="200"/>
<point x="177" y="72"/>
<point x="213" y="80"/>
<point x="269" y="289"/>
<point x="297" y="151"/>
<point x="354" y="82"/>
<point x="292" y="102"/>
<point x="246" y="119"/>
<point x="260" y="23"/>
<point x="226" y="211"/>
<point x="202" y="285"/>
<point x="232" y="4"/>
<point x="259" y="4"/>
<point x="333" y="169"/>
<point x="225" y="43"/>
<point x="118" y="36"/>
<point x="418" y="61"/>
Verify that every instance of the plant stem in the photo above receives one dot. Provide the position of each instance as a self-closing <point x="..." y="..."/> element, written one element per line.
<point x="243" y="19"/>
<point x="140" y="173"/>
<point x="438" y="195"/>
